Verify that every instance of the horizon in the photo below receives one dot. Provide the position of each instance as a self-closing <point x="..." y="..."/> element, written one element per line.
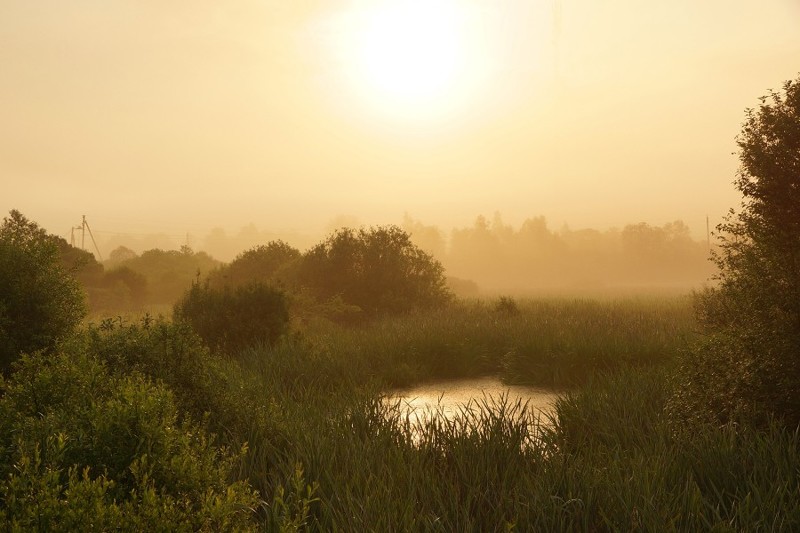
<point x="153" y="118"/>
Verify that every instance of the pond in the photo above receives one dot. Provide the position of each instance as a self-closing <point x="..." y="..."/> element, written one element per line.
<point x="449" y="398"/>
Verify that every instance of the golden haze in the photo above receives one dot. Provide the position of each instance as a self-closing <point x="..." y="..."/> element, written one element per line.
<point x="179" y="117"/>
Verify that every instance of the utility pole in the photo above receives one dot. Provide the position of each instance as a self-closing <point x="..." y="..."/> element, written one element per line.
<point x="708" y="234"/>
<point x="72" y="234"/>
<point x="83" y="227"/>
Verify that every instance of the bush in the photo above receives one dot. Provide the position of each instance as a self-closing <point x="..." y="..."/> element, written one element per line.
<point x="116" y="290"/>
<point x="230" y="320"/>
<point x="748" y="366"/>
<point x="379" y="270"/>
<point x="262" y="264"/>
<point x="84" y="449"/>
<point x="506" y="305"/>
<point x="40" y="302"/>
<point x="169" y="273"/>
<point x="204" y="386"/>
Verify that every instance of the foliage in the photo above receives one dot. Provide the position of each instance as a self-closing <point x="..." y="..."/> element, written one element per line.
<point x="172" y="354"/>
<point x="107" y="290"/>
<point x="170" y="273"/>
<point x="82" y="264"/>
<point x="506" y="305"/>
<point x="608" y="461"/>
<point x="547" y="342"/>
<point x="87" y="449"/>
<point x="120" y="254"/>
<point x="262" y="264"/>
<point x="40" y="302"/>
<point x="500" y="257"/>
<point x="378" y="269"/>
<point x="291" y="509"/>
<point x="229" y="320"/>
<point x="125" y="288"/>
<point x="748" y="366"/>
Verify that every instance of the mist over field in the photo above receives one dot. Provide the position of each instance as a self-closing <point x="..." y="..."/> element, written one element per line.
<point x="490" y="256"/>
<point x="177" y="119"/>
<point x="399" y="265"/>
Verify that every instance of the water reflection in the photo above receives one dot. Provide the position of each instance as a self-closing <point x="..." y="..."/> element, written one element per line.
<point x="452" y="399"/>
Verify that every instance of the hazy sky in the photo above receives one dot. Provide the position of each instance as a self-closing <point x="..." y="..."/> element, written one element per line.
<point x="180" y="116"/>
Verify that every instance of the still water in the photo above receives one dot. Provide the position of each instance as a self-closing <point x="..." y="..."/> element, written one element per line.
<point x="449" y="398"/>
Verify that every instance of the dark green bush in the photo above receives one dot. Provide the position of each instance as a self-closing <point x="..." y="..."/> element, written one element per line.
<point x="506" y="305"/>
<point x="118" y="289"/>
<point x="747" y="368"/>
<point x="84" y="449"/>
<point x="40" y="302"/>
<point x="169" y="273"/>
<point x="229" y="320"/>
<point x="263" y="264"/>
<point x="378" y="269"/>
<point x="204" y="386"/>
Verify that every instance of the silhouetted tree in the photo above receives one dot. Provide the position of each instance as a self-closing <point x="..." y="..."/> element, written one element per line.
<point x="120" y="254"/>
<point x="80" y="263"/>
<point x="170" y="273"/>
<point x="229" y="320"/>
<point x="263" y="264"/>
<point x="40" y="302"/>
<point x="749" y="366"/>
<point x="378" y="269"/>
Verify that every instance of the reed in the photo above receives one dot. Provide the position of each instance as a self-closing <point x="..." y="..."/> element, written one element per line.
<point x="611" y="459"/>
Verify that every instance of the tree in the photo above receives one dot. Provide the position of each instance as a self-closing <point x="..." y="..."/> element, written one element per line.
<point x="40" y="302"/>
<point x="261" y="264"/>
<point x="230" y="320"/>
<point x="170" y="273"/>
<point x="378" y="269"/>
<point x="121" y="254"/>
<point x="749" y="365"/>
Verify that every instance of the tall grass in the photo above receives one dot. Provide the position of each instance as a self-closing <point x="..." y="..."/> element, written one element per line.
<point x="547" y="342"/>
<point x="610" y="460"/>
<point x="327" y="451"/>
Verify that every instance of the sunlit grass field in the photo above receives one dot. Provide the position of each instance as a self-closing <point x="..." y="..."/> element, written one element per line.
<point x="330" y="454"/>
<point x="328" y="450"/>
<point x="550" y="342"/>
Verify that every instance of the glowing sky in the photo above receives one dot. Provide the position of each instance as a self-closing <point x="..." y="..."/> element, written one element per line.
<point x="179" y="116"/>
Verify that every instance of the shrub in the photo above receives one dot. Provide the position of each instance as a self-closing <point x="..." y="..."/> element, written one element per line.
<point x="40" y="303"/>
<point x="171" y="353"/>
<point x="169" y="273"/>
<point x="506" y="305"/>
<point x="262" y="264"/>
<point x="379" y="270"/>
<point x="748" y="367"/>
<point x="84" y="449"/>
<point x="229" y="320"/>
<point x="118" y="289"/>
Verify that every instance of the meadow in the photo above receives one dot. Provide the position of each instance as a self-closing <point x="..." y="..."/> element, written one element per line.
<point x="330" y="455"/>
<point x="299" y="435"/>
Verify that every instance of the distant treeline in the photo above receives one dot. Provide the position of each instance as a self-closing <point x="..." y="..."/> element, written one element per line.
<point x="499" y="258"/>
<point x="352" y="274"/>
<point x="488" y="257"/>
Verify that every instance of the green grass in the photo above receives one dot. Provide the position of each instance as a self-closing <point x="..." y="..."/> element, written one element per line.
<point x="611" y="460"/>
<point x="328" y="452"/>
<point x="548" y="342"/>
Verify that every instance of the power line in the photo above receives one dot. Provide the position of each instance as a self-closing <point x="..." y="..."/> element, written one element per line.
<point x="84" y="227"/>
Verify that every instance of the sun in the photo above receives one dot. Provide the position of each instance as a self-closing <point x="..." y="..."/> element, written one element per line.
<point x="409" y="55"/>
